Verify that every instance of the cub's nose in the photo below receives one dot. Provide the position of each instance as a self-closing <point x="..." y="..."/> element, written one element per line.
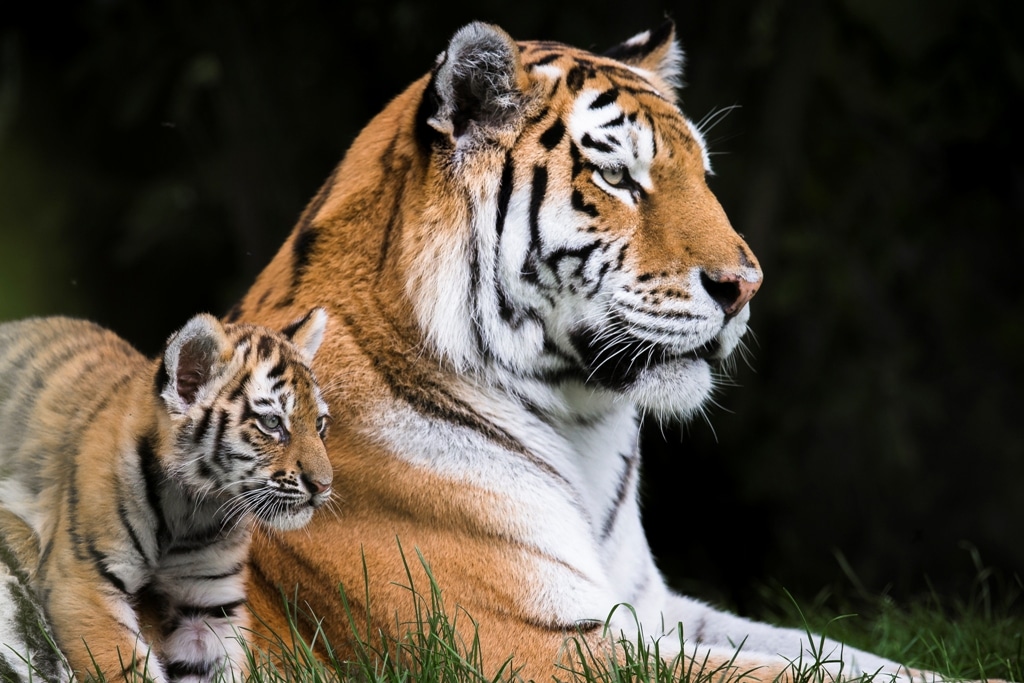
<point x="317" y="485"/>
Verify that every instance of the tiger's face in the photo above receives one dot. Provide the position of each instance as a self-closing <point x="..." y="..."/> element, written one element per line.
<point x="249" y="420"/>
<point x="599" y="256"/>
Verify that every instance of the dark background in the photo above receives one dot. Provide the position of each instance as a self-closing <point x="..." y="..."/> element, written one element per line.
<point x="154" y="155"/>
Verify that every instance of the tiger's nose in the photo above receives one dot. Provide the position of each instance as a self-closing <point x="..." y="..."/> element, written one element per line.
<point x="729" y="290"/>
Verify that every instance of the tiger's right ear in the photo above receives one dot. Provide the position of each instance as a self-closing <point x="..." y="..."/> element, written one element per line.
<point x="477" y="89"/>
<point x="191" y="357"/>
<point x="656" y="51"/>
<point x="307" y="333"/>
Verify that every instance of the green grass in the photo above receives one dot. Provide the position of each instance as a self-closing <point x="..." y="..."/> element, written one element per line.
<point x="979" y="634"/>
<point x="977" y="637"/>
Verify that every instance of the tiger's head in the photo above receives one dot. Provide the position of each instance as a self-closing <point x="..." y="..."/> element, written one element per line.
<point x="246" y="419"/>
<point x="568" y="235"/>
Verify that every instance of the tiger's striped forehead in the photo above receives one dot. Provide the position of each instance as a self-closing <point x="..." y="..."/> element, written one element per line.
<point x="618" y="115"/>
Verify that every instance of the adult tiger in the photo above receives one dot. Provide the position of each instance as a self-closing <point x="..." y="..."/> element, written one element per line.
<point x="520" y="253"/>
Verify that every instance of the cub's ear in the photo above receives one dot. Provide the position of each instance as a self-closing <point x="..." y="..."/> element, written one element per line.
<point x="477" y="88"/>
<point x="191" y="358"/>
<point x="656" y="51"/>
<point x="307" y="333"/>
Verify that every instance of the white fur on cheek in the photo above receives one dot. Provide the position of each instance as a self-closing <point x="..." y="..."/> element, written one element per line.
<point x="438" y="286"/>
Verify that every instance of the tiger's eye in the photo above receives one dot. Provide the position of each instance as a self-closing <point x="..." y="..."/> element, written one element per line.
<point x="270" y="422"/>
<point x="613" y="176"/>
<point x="321" y="424"/>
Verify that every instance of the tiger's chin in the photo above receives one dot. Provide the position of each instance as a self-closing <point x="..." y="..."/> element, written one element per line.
<point x="672" y="390"/>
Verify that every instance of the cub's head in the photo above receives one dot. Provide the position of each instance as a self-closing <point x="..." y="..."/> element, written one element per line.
<point x="247" y="418"/>
<point x="569" y="236"/>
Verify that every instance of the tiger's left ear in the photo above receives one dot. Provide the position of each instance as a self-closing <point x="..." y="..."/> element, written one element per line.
<point x="477" y="88"/>
<point x="656" y="51"/>
<point x="307" y="333"/>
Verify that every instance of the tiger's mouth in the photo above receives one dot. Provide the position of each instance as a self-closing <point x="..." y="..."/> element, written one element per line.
<point x="614" y="360"/>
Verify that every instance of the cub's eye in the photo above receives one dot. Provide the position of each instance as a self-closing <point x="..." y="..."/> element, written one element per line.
<point x="616" y="177"/>
<point x="321" y="425"/>
<point x="269" y="423"/>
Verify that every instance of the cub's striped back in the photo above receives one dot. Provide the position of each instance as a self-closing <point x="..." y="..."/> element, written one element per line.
<point x="142" y="478"/>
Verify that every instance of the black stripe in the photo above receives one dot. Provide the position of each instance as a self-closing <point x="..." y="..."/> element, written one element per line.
<point x="125" y="517"/>
<point x="554" y="259"/>
<point x="290" y="329"/>
<point x="154" y="478"/>
<point x="546" y="59"/>
<point x="240" y="385"/>
<point x="99" y="561"/>
<point x="591" y="143"/>
<point x="427" y="135"/>
<point x="605" y="98"/>
<point x="620" y="494"/>
<point x="577" y="160"/>
<point x="218" y="438"/>
<point x="504" y="192"/>
<point x="535" y="119"/>
<point x="390" y="169"/>
<point x="265" y="347"/>
<point x="302" y="250"/>
<point x="553" y="135"/>
<point x="615" y="122"/>
<point x="232" y="454"/>
<point x="163" y="378"/>
<point x="582" y="205"/>
<point x="635" y="52"/>
<point x="179" y="670"/>
<point x="202" y="426"/>
<point x="538" y="192"/>
<point x="221" y="611"/>
<point x="279" y="368"/>
<point x="234" y="571"/>
<point x="575" y="78"/>
<point x="582" y="627"/>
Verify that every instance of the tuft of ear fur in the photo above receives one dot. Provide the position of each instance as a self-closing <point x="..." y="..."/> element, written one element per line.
<point x="307" y="333"/>
<point x="191" y="357"/>
<point x="478" y="83"/>
<point x="655" y="51"/>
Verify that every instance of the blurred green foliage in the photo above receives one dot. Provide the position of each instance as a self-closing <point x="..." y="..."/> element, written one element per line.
<point x="154" y="155"/>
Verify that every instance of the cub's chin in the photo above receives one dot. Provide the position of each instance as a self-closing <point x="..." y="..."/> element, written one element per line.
<point x="288" y="518"/>
<point x="672" y="390"/>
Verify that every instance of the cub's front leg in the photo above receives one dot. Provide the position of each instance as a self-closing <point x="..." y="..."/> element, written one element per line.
<point x="97" y="628"/>
<point x="204" y="627"/>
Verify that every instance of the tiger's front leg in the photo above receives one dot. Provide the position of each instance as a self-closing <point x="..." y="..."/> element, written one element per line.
<point x="705" y="627"/>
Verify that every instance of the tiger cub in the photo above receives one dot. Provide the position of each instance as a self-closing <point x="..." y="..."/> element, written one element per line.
<point x="141" y="477"/>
